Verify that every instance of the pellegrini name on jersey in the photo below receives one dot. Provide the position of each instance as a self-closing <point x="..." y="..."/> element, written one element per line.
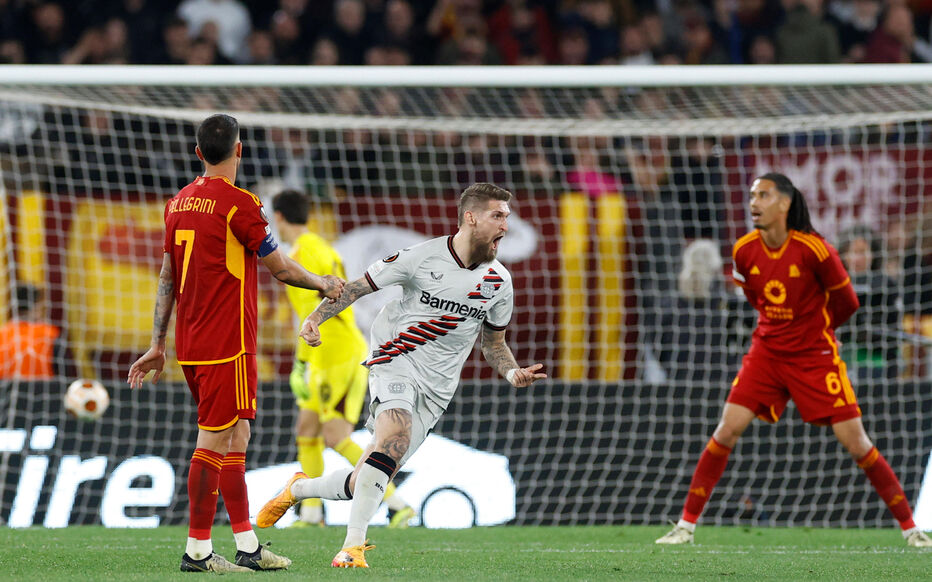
<point x="452" y="306"/>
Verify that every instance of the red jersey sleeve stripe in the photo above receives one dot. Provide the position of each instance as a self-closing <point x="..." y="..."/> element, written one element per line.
<point x="751" y="236"/>
<point x="371" y="282"/>
<point x="840" y="285"/>
<point x="813" y="243"/>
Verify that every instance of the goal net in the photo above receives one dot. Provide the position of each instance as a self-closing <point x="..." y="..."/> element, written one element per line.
<point x="630" y="186"/>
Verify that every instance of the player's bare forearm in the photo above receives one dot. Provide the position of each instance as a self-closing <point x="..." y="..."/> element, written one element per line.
<point x="290" y="272"/>
<point x="351" y="292"/>
<point x="497" y="353"/>
<point x="310" y="331"/>
<point x="164" y="303"/>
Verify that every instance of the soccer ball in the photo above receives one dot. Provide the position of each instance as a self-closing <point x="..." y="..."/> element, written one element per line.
<point x="86" y="399"/>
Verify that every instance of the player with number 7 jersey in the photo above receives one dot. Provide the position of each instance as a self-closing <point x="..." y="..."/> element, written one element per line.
<point x="214" y="233"/>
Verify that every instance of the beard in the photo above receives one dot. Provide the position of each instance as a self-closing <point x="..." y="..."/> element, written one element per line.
<point x="482" y="251"/>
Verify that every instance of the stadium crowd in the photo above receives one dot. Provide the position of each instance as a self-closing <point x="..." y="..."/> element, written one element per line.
<point x="464" y="32"/>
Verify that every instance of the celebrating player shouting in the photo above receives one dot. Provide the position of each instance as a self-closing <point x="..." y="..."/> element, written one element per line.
<point x="797" y="282"/>
<point x="453" y="287"/>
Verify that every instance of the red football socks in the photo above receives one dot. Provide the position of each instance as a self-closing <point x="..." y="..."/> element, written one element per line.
<point x="233" y="489"/>
<point x="708" y="471"/>
<point x="888" y="487"/>
<point x="203" y="483"/>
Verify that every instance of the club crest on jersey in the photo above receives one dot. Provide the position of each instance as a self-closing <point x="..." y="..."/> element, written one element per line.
<point x="487" y="288"/>
<point x="390" y="258"/>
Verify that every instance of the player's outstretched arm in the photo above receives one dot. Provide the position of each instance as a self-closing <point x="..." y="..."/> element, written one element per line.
<point x="497" y="353"/>
<point x="290" y="272"/>
<point x="154" y="358"/>
<point x="310" y="329"/>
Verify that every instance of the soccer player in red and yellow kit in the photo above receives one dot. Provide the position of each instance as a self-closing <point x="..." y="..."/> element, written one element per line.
<point x="800" y="288"/>
<point x="215" y="234"/>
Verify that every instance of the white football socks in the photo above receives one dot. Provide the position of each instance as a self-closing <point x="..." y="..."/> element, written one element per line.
<point x="246" y="541"/>
<point x="330" y="486"/>
<point x="370" y="489"/>
<point x="198" y="549"/>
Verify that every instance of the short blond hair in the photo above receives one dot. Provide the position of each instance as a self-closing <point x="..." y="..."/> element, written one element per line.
<point x="477" y="196"/>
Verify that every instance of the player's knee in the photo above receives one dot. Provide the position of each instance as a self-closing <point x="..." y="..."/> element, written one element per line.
<point x="335" y="431"/>
<point x="727" y="435"/>
<point x="395" y="446"/>
<point x="857" y="445"/>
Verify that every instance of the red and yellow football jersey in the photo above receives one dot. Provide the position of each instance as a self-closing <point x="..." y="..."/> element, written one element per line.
<point x="790" y="288"/>
<point x="214" y="232"/>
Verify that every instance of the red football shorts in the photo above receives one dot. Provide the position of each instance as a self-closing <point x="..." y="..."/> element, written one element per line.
<point x="819" y="387"/>
<point x="224" y="393"/>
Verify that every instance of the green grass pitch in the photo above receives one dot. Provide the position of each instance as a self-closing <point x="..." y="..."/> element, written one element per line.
<point x="498" y="553"/>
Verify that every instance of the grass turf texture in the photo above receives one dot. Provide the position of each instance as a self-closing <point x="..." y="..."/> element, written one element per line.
<point x="500" y="553"/>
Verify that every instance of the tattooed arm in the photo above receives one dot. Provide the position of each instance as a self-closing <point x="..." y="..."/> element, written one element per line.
<point x="290" y="272"/>
<point x="310" y="331"/>
<point x="497" y="353"/>
<point x="154" y="359"/>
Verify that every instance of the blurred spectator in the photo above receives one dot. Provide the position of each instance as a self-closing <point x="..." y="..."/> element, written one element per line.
<point x="471" y="48"/>
<point x="698" y="329"/>
<point x="231" y="18"/>
<point x="805" y="37"/>
<point x="869" y="338"/>
<point x="521" y="32"/>
<point x="597" y="19"/>
<point x="762" y="51"/>
<point x="574" y="47"/>
<point x="176" y="43"/>
<point x="12" y="52"/>
<point x="349" y="34"/>
<point x="699" y="46"/>
<point x="538" y="174"/>
<point x="202" y="52"/>
<point x="48" y="40"/>
<point x="400" y="31"/>
<point x="892" y="41"/>
<point x="697" y="183"/>
<point x="634" y="50"/>
<point x="325" y="53"/>
<point x="143" y="19"/>
<point x="290" y="47"/>
<point x="27" y="340"/>
<point x="448" y="17"/>
<point x="261" y="48"/>
<point x="655" y="36"/>
<point x="855" y="20"/>
<point x="101" y="45"/>
<point x="588" y="173"/>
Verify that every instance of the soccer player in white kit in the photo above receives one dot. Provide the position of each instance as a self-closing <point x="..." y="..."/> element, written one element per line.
<point x="454" y="288"/>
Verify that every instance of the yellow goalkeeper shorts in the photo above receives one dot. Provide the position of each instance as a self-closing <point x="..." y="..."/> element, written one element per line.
<point x="337" y="391"/>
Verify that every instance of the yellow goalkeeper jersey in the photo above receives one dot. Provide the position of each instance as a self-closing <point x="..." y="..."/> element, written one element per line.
<point x="340" y="339"/>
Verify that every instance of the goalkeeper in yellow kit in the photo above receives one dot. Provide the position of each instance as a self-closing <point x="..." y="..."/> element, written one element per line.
<point x="329" y="382"/>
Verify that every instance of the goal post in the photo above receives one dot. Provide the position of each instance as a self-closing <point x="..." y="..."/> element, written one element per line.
<point x="616" y="171"/>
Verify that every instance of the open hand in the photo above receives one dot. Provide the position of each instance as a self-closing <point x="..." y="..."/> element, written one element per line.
<point x="154" y="359"/>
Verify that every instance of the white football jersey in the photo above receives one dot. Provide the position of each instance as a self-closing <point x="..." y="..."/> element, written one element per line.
<point x="428" y="333"/>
